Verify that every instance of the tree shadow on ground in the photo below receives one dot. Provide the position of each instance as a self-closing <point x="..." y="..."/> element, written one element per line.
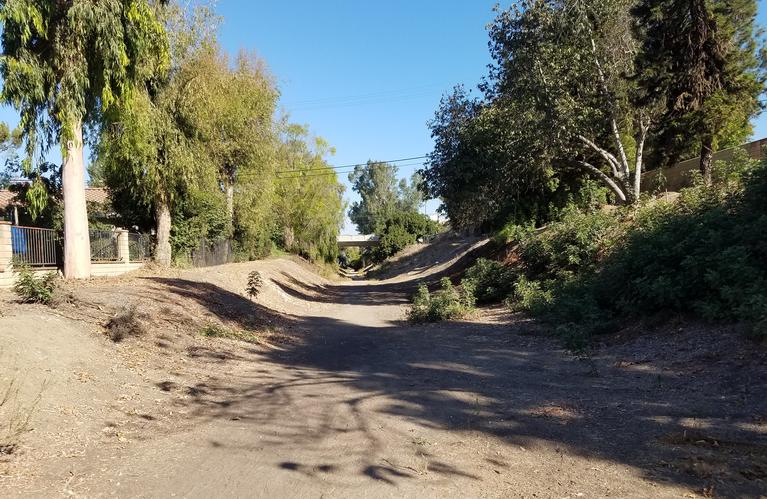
<point x="692" y="427"/>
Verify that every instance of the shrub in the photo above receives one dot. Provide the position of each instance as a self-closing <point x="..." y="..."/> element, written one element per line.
<point x="705" y="253"/>
<point x="255" y="281"/>
<point x="490" y="280"/>
<point x="575" y="244"/>
<point x="402" y="229"/>
<point x="128" y="322"/>
<point x="446" y="304"/>
<point x="33" y="289"/>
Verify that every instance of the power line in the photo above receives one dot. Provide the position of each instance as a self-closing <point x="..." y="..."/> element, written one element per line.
<point x="390" y="161"/>
<point x="300" y="173"/>
<point x="384" y="96"/>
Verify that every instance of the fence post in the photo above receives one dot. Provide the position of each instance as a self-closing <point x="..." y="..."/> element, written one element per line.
<point x="123" y="246"/>
<point x="6" y="246"/>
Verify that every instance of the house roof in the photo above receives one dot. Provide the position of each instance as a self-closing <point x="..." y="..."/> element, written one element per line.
<point x="94" y="194"/>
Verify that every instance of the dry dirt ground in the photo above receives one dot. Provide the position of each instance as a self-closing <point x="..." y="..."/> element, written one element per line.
<point x="333" y="395"/>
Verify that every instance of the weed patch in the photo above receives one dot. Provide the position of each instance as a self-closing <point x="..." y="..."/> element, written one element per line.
<point x="448" y="303"/>
<point x="127" y="323"/>
<point x="218" y="331"/>
<point x="33" y="289"/>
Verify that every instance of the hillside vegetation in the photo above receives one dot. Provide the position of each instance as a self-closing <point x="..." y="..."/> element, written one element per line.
<point x="595" y="271"/>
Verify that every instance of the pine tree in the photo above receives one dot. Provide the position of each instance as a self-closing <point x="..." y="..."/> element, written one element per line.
<point x="701" y="60"/>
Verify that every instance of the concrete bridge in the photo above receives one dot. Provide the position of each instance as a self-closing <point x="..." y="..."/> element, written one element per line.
<point x="358" y="241"/>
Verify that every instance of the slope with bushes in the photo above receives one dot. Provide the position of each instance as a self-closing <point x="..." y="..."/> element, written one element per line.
<point x="591" y="272"/>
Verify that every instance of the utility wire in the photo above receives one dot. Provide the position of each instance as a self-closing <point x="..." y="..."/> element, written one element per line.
<point x="300" y="173"/>
<point x="390" y="161"/>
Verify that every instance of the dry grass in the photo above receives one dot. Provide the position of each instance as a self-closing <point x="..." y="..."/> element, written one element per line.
<point x="128" y="322"/>
<point x="14" y="415"/>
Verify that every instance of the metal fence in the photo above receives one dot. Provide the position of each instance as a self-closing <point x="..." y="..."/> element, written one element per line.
<point x="209" y="253"/>
<point x="140" y="247"/>
<point x="35" y="247"/>
<point x="104" y="246"/>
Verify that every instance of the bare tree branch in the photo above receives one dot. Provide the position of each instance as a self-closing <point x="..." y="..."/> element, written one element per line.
<point x="611" y="160"/>
<point x="605" y="178"/>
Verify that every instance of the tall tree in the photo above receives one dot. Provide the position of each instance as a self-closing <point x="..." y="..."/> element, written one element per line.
<point x="233" y="108"/>
<point x="148" y="150"/>
<point x="381" y="195"/>
<point x="63" y="64"/>
<point x="701" y="59"/>
<point x="309" y="205"/>
<point x="569" y="62"/>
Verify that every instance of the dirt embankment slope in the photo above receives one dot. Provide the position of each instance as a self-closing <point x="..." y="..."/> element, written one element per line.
<point x="333" y="395"/>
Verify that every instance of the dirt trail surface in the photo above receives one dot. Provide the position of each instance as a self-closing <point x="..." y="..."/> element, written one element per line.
<point x="335" y="396"/>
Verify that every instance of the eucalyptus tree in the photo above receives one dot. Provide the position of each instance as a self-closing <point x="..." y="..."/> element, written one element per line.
<point x="148" y="149"/>
<point x="63" y="64"/>
<point x="702" y="61"/>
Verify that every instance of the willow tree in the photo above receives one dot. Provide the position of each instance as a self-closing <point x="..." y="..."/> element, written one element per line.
<point x="63" y="64"/>
<point x="309" y="205"/>
<point x="233" y="108"/>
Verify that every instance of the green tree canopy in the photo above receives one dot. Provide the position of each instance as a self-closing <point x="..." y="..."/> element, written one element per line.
<point x="63" y="64"/>
<point x="701" y="61"/>
<point x="382" y="195"/>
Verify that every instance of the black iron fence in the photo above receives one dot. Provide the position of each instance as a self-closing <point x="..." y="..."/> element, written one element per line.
<point x="210" y="253"/>
<point x="35" y="247"/>
<point x="104" y="246"/>
<point x="140" y="247"/>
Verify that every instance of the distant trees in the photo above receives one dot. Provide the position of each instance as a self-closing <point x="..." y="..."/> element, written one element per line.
<point x="63" y="64"/>
<point x="381" y="195"/>
<point x="388" y="208"/>
<point x="577" y="99"/>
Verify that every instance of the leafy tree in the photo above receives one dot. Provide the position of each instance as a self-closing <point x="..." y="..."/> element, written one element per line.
<point x="401" y="229"/>
<point x="147" y="148"/>
<point x="64" y="63"/>
<point x="382" y="195"/>
<point x="701" y="60"/>
<point x="308" y="206"/>
<point x="567" y="63"/>
<point x="232" y="110"/>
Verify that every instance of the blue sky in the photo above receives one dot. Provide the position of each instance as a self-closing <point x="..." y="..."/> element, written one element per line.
<point x="367" y="76"/>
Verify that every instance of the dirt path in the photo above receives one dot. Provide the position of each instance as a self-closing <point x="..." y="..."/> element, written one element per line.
<point x="366" y="406"/>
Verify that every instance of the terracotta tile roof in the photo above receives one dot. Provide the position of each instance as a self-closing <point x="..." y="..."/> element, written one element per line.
<point x="95" y="194"/>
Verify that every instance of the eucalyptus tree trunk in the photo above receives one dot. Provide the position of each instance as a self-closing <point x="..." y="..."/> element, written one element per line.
<point x="230" y="202"/>
<point x="706" y="157"/>
<point x="162" y="253"/>
<point x="77" y="245"/>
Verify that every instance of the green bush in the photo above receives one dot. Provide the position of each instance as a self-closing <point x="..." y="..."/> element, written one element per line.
<point x="574" y="244"/>
<point x="706" y="253"/>
<point x="491" y="281"/>
<point x="448" y="303"/>
<point x="33" y="289"/>
<point x="400" y="230"/>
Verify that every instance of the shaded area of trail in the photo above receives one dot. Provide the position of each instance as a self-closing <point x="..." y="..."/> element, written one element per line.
<point x="363" y="404"/>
